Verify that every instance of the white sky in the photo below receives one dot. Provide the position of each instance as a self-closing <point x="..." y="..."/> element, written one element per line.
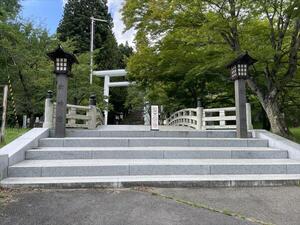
<point x="114" y="7"/>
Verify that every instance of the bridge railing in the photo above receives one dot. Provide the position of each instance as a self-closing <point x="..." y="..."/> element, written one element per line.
<point x="85" y="117"/>
<point x="208" y="119"/>
<point x="185" y="117"/>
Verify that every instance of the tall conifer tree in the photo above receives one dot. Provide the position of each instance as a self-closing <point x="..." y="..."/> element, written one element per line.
<point x="76" y="25"/>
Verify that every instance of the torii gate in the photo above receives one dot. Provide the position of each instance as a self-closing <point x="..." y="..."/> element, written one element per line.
<point x="107" y="74"/>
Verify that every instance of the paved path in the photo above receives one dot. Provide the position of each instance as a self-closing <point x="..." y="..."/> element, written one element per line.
<point x="152" y="206"/>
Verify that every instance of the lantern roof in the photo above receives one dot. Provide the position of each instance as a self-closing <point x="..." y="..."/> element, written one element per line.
<point x="59" y="52"/>
<point x="242" y="59"/>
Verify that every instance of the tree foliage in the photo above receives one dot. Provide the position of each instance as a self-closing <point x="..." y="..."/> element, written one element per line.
<point x="75" y="27"/>
<point x="186" y="45"/>
<point x="23" y="48"/>
<point x="76" y="23"/>
<point x="22" y="58"/>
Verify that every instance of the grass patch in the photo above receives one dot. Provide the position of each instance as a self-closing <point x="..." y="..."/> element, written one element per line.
<point x="296" y="133"/>
<point x="11" y="134"/>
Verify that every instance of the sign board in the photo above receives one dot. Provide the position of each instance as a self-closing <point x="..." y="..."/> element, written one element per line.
<point x="154" y="117"/>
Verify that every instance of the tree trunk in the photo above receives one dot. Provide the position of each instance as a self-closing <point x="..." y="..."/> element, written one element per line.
<point x="270" y="105"/>
<point x="276" y="118"/>
<point x="31" y="121"/>
<point x="265" y="121"/>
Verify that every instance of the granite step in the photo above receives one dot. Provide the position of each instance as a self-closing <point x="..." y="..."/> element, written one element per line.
<point x="133" y="133"/>
<point x="134" y="167"/>
<point x="59" y="153"/>
<point x="151" y="142"/>
<point x="206" y="181"/>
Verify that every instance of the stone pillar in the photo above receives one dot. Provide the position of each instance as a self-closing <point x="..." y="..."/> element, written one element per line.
<point x="249" y="116"/>
<point x="222" y="121"/>
<point x="24" y="126"/>
<point x="48" y="114"/>
<point x="199" y="118"/>
<point x="106" y="96"/>
<point x="147" y="112"/>
<point x="92" y="123"/>
<point x="154" y="118"/>
<point x="240" y="104"/>
<point x="61" y="105"/>
<point x="72" y="113"/>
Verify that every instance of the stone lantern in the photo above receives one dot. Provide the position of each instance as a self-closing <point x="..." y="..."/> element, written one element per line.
<point x="63" y="62"/>
<point x="239" y="74"/>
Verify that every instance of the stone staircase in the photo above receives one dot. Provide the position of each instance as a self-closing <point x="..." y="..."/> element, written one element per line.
<point x="123" y="158"/>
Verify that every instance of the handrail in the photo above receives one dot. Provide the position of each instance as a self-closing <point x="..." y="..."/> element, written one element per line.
<point x="87" y="117"/>
<point x="208" y="119"/>
<point x="185" y="117"/>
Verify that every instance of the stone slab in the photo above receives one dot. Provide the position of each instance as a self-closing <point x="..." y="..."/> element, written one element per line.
<point x="3" y="166"/>
<point x="51" y="142"/>
<point x="114" y="170"/>
<point x="25" y="172"/>
<point x="153" y="152"/>
<point x="169" y="169"/>
<point x="147" y="133"/>
<point x="153" y="167"/>
<point x="152" y="141"/>
<point x="257" y="143"/>
<point x="257" y="180"/>
<point x="57" y="155"/>
<point x="173" y="142"/>
<point x="279" y="142"/>
<point x="293" y="169"/>
<point x="15" y="150"/>
<point x="142" y="128"/>
<point x="95" y="142"/>
<point x="213" y="142"/>
<point x="127" y="154"/>
<point x="248" y="169"/>
<point x="266" y="154"/>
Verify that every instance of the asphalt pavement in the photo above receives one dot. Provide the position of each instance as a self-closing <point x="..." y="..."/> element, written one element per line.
<point x="151" y="206"/>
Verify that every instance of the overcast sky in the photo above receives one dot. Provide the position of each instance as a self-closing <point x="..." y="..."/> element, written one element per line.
<point x="48" y="13"/>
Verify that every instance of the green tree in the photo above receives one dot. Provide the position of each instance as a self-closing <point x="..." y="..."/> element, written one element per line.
<point x="76" y="23"/>
<point x="125" y="52"/>
<point x="210" y="33"/>
<point x="9" y="9"/>
<point x="76" y="26"/>
<point x="74" y="30"/>
<point x="23" y="58"/>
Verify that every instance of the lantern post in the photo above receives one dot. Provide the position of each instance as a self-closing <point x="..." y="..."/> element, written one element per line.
<point x="239" y="74"/>
<point x="63" y="62"/>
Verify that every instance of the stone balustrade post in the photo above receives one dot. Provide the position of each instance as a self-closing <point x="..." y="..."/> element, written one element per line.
<point x="49" y="108"/>
<point x="222" y="118"/>
<point x="199" y="118"/>
<point x="24" y="126"/>
<point x="71" y="120"/>
<point x="249" y="116"/>
<point x="92" y="113"/>
<point x="147" y="109"/>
